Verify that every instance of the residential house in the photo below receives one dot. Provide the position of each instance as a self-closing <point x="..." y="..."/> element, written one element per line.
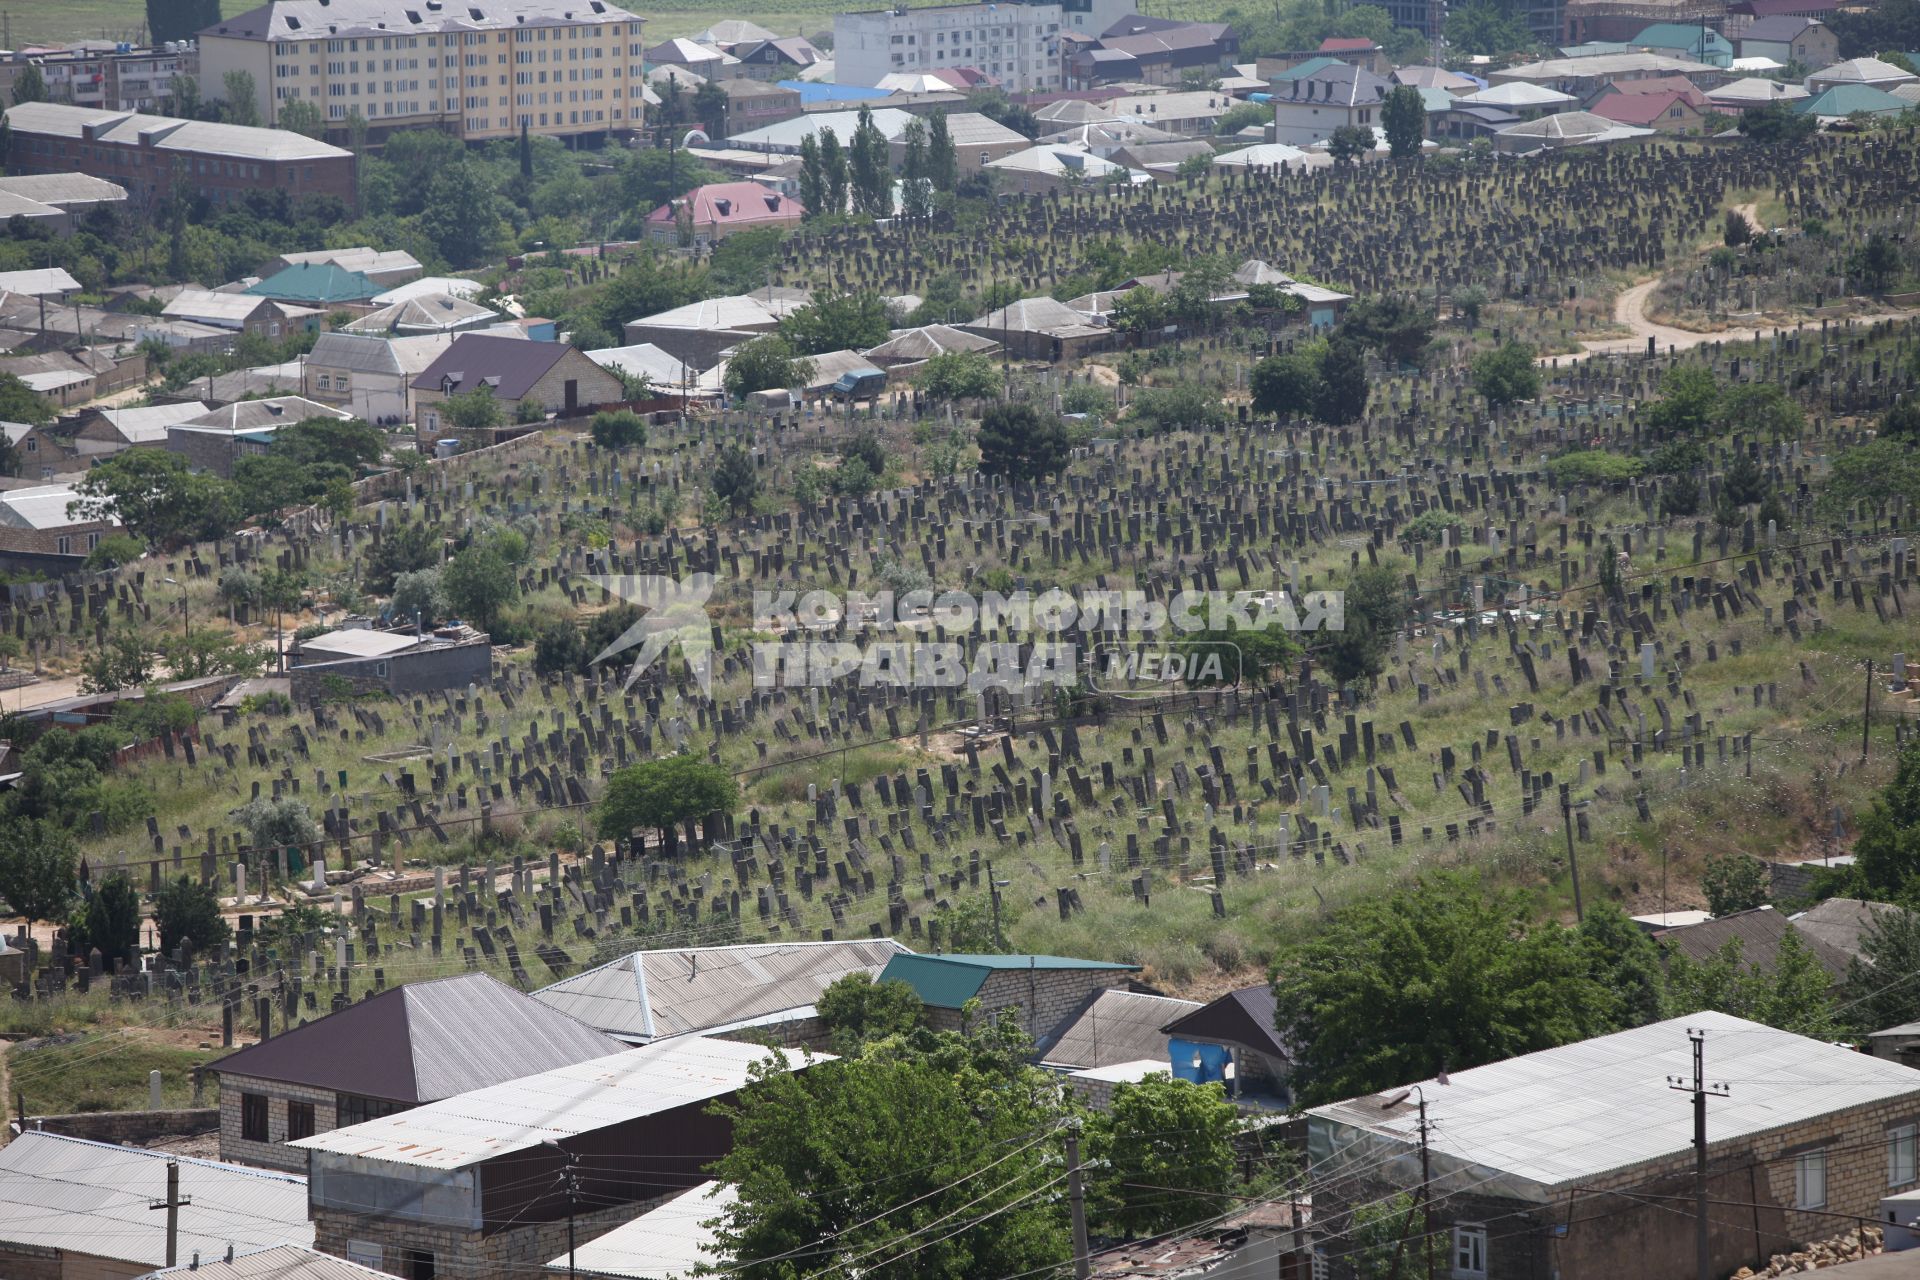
<point x="394" y="663"/>
<point x="665" y="374"/>
<point x="71" y="1209"/>
<point x="1111" y="1028"/>
<point x="147" y="154"/>
<point x="1581" y="77"/>
<point x="1018" y="44"/>
<point x="728" y="32"/>
<point x="1106" y="138"/>
<point x="39" y="282"/>
<point x="316" y="284"/>
<point x="1691" y="40"/>
<point x="275" y="1262"/>
<point x="1671" y="111"/>
<point x="1309" y="109"/>
<point x="1053" y="168"/>
<point x="65" y="378"/>
<point x="1358" y="51"/>
<point x="385" y="267"/>
<point x="1843" y="924"/>
<point x="1567" y="129"/>
<point x="1844" y="101"/>
<point x="709" y="214"/>
<point x="700" y="332"/>
<point x="243" y="313"/>
<point x="1043" y="990"/>
<point x="1233" y="1040"/>
<point x="371" y="377"/>
<point x="1163" y="159"/>
<point x="57" y="202"/>
<point x="755" y="104"/>
<point x="1152" y="51"/>
<point x="220" y="437"/>
<point x="36" y="531"/>
<point x="552" y="377"/>
<point x="1272" y="155"/>
<point x="1434" y="78"/>
<point x="775" y="59"/>
<point x="1192" y="114"/>
<point x="1858" y="71"/>
<point x="976" y="139"/>
<point x="473" y="1187"/>
<point x="1742" y="14"/>
<point x="1755" y="92"/>
<point x="1787" y="38"/>
<point x="263" y="380"/>
<point x="704" y="62"/>
<point x="100" y="433"/>
<point x="393" y="1051"/>
<point x="1758" y="933"/>
<point x="912" y="346"/>
<point x="1520" y="99"/>
<point x="1041" y="329"/>
<point x="423" y="314"/>
<point x="754" y="989"/>
<point x="280" y="44"/>
<point x="107" y="74"/>
<point x="1578" y="1161"/>
<point x="458" y="286"/>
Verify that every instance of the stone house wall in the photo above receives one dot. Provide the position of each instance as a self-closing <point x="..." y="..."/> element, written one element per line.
<point x="271" y="1154"/>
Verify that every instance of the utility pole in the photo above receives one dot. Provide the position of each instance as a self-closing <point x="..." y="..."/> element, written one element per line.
<point x="1701" y="1091"/>
<point x="1082" y="1265"/>
<point x="172" y="1204"/>
<point x="993" y="891"/>
<point x="1426" y="1186"/>
<point x="1866" y="716"/>
<point x="1573" y="863"/>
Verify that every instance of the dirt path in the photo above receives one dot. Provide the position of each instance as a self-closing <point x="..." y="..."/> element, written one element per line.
<point x="1630" y="311"/>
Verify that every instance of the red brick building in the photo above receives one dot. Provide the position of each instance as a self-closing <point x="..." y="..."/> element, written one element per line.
<point x="146" y="154"/>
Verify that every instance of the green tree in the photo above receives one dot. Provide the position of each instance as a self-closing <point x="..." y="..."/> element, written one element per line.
<point x="834" y="178"/>
<point x="1395" y="325"/>
<point x="1287" y="386"/>
<point x="20" y="403"/>
<point x="462" y="213"/>
<point x="184" y="911"/>
<point x="479" y="582"/>
<point x="123" y="661"/>
<point x="1244" y="115"/>
<point x="1237" y="655"/>
<point x="619" y="429"/>
<point x="1887" y="851"/>
<point x="1348" y="143"/>
<point x="1486" y="28"/>
<point x="302" y="116"/>
<point x="1794" y="995"/>
<point x="210" y="653"/>
<point x="30" y="85"/>
<point x="1506" y="374"/>
<point x="474" y="410"/>
<point x="1880" y="471"/>
<point x="766" y="363"/>
<point x="1736" y="230"/>
<point x="1760" y="408"/>
<point x="1891" y="945"/>
<point x="1690" y="397"/>
<point x="837" y="322"/>
<point x="1162" y="1135"/>
<point x="1344" y="388"/>
<point x="736" y="481"/>
<point x="1404" y="116"/>
<point x="710" y="109"/>
<point x="858" y="1009"/>
<point x="417" y="595"/>
<point x="1018" y="441"/>
<point x="958" y="375"/>
<point x="912" y="1161"/>
<point x="1902" y="422"/>
<point x="663" y="793"/>
<point x="277" y="822"/>
<point x="351" y="443"/>
<point x="1442" y="974"/>
<point x="1625" y="963"/>
<point x="1734" y="882"/>
<point x="558" y="646"/>
<point x="813" y="182"/>
<point x="399" y="550"/>
<point x="37" y="865"/>
<point x="1776" y="122"/>
<point x="1375" y="608"/>
<point x="1876" y="264"/>
<point x="110" y="921"/>
<point x="870" y="172"/>
<point x="943" y="166"/>
<point x="242" y="105"/>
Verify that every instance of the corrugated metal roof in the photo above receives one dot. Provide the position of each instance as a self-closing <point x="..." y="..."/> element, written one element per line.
<point x="91" y="1198"/>
<point x="650" y="995"/>
<point x="478" y="1126"/>
<point x="1842" y="923"/>
<point x="168" y="133"/>
<point x="148" y="423"/>
<point x="1562" y="1116"/>
<point x="275" y="411"/>
<point x="1243" y="1017"/>
<point x="421" y="1042"/>
<point x="1759" y="932"/>
<point x="281" y="1262"/>
<point x="1112" y="1027"/>
<point x="62" y="188"/>
<point x="665" y="1243"/>
<point x="40" y="507"/>
<point x="949" y="981"/>
<point x="39" y="281"/>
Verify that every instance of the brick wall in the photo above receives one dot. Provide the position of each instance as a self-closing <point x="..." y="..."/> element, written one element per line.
<point x="26" y="1262"/>
<point x="272" y="1154"/>
<point x="1044" y="996"/>
<point x="461" y="1254"/>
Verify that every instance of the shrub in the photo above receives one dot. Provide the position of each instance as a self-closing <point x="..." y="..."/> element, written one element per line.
<point x="1591" y="466"/>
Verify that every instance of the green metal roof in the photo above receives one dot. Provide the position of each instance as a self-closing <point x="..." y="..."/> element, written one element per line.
<point x="1684" y="36"/>
<point x="1845" y="99"/>
<point x="1307" y="68"/>
<point x="949" y="981"/>
<point x="316" y="282"/>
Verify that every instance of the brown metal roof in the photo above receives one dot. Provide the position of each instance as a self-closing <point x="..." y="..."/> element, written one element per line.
<point x="510" y="366"/>
<point x="1759" y="932"/>
<point x="1243" y="1017"/>
<point x="425" y="1041"/>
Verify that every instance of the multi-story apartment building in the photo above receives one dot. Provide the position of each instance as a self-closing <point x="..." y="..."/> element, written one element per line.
<point x="148" y="154"/>
<point x="479" y="69"/>
<point x="100" y="73"/>
<point x="1016" y="44"/>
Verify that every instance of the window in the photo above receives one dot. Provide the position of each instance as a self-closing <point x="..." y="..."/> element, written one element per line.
<point x="355" y="1109"/>
<point x="1810" y="1180"/>
<point x="1469" y="1251"/>
<point x="253" y="1117"/>
<point x="419" y="1265"/>
<point x="367" y="1253"/>
<point x="299" y="1120"/>
<point x="1900" y="1154"/>
<point x="63" y="545"/>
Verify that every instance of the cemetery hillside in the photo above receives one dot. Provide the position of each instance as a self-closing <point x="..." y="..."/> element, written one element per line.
<point x="579" y="675"/>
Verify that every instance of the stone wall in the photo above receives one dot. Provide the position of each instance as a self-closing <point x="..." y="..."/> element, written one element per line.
<point x="271" y="1154"/>
<point x="465" y="1254"/>
<point x="136" y="1127"/>
<point x="27" y="1262"/>
<point x="1044" y="996"/>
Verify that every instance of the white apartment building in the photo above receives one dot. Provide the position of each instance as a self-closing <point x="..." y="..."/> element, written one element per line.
<point x="478" y="69"/>
<point x="1017" y="44"/>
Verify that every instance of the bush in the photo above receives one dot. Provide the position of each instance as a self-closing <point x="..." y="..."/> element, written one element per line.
<point x="1507" y="374"/>
<point x="1429" y="524"/>
<point x="185" y="910"/>
<point x="1591" y="466"/>
<point x="276" y="824"/>
<point x="619" y="429"/>
<point x="1180" y="406"/>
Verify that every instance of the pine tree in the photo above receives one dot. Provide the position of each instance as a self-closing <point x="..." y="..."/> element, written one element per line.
<point x="871" y="177"/>
<point x="526" y="152"/>
<point x="813" y="191"/>
<point x="943" y="166"/>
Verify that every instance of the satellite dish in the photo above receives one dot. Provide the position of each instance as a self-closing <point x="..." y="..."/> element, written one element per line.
<point x="693" y="136"/>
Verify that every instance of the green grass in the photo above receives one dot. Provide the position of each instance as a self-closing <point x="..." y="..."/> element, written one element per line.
<point x="104" y="1074"/>
<point x="61" y="21"/>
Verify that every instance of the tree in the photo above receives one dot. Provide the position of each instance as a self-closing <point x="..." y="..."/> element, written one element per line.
<point x="558" y="646"/>
<point x="20" y="403"/>
<point x="209" y="653"/>
<point x="1395" y="325"/>
<point x="1625" y="963"/>
<point x="1760" y="408"/>
<point x="813" y="182"/>
<point x="710" y="109"/>
<point x="958" y="375"/>
<point x="915" y="1160"/>
<point x="123" y="661"/>
<point x="871" y="174"/>
<point x="1179" y="406"/>
<point x="619" y="429"/>
<point x="766" y="363"/>
<point x="462" y="213"/>
<point x="242" y="106"/>
<point x="868" y="449"/>
<point x="735" y="479"/>
<point x="837" y="322"/>
<point x="1875" y="264"/>
<point x="417" y="595"/>
<point x="1161" y="1133"/>
<point x="110" y="922"/>
<point x="1506" y="374"/>
<point x="1374" y="609"/>
<point x="302" y="116"/>
<point x="943" y="166"/>
<point x="185" y="911"/>
<point x="1244" y="115"/>
<point x="1690" y="396"/>
<point x="1874" y="473"/>
<point x="399" y="550"/>
<point x="662" y="793"/>
<point x="479" y="583"/>
<point x="153" y="494"/>
<point x="1902" y="422"/>
<point x="1486" y="28"/>
<point x="1343" y="383"/>
<point x="1736" y="230"/>
<point x="1891" y="945"/>
<point x="1018" y="441"/>
<point x="1776" y="122"/>
<point x="277" y="823"/>
<point x="1287" y="386"/>
<point x="1444" y="974"/>
<point x="37" y="862"/>
<point x="474" y="410"/>
<point x="311" y="441"/>
<point x="833" y="174"/>
<point x="30" y="85"/>
<point x="1348" y="143"/>
<point x="1734" y="882"/>
<point x="856" y="1010"/>
<point x="1887" y="851"/>
<point x="1794" y="994"/>
<point x="1404" y="116"/>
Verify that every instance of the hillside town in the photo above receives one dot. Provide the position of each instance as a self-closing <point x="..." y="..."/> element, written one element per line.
<point x="979" y="641"/>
